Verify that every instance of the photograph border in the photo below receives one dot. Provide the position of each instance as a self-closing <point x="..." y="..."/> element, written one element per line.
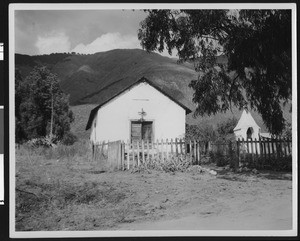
<point x="152" y="233"/>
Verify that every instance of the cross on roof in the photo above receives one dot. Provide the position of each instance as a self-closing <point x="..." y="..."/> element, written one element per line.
<point x="142" y="114"/>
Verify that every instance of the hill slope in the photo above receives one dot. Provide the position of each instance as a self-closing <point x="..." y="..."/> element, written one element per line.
<point x="83" y="76"/>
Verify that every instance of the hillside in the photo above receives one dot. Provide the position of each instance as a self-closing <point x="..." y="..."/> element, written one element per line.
<point x="83" y="76"/>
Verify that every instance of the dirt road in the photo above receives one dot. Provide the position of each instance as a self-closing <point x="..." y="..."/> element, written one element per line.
<point x="246" y="202"/>
<point x="56" y="195"/>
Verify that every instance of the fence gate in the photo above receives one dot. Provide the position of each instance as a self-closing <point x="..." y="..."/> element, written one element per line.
<point x="114" y="153"/>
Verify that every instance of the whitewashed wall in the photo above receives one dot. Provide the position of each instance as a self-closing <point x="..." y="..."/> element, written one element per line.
<point x="113" y="119"/>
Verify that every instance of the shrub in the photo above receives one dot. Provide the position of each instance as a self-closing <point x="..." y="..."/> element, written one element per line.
<point x="200" y="132"/>
<point x="219" y="158"/>
<point x="173" y="164"/>
<point x="69" y="139"/>
<point x="225" y="129"/>
<point x="279" y="164"/>
<point x="40" y="142"/>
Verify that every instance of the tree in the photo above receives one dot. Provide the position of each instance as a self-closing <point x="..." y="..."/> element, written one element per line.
<point x="257" y="48"/>
<point x="225" y="129"/>
<point x="42" y="109"/>
<point x="203" y="133"/>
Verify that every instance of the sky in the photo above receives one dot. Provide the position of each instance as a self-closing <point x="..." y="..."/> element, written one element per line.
<point x="81" y="31"/>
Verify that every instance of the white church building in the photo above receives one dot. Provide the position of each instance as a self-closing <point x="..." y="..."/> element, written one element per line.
<point x="136" y="110"/>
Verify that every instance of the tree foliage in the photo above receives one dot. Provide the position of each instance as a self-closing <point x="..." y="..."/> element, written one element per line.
<point x="257" y="47"/>
<point x="225" y="129"/>
<point x="203" y="133"/>
<point x="38" y="100"/>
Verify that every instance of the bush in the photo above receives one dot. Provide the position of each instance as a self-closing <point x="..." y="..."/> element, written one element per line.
<point x="200" y="132"/>
<point x="279" y="164"/>
<point x="220" y="159"/>
<point x="173" y="164"/>
<point x="40" y="142"/>
<point x="69" y="139"/>
<point x="225" y="129"/>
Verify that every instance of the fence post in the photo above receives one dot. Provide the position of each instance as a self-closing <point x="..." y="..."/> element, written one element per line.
<point x="274" y="142"/>
<point x="252" y="151"/>
<point x="248" y="147"/>
<point x="244" y="147"/>
<point x="237" y="161"/>
<point x="128" y="153"/>
<point x="280" y="148"/>
<point x="191" y="151"/>
<point x="122" y="155"/>
<point x="167" y="151"/>
<point x="152" y="147"/>
<point x="284" y="146"/>
<point x="265" y="151"/>
<point x="195" y="151"/>
<point x="269" y="149"/>
<point x="288" y="144"/>
<point x="180" y="147"/>
<point x="143" y="153"/>
<point x="256" y="152"/>
<point x="138" y="153"/>
<point x="176" y="147"/>
<point x="148" y="157"/>
<point x="157" y="149"/>
<point x="198" y="152"/>
<point x="133" y="154"/>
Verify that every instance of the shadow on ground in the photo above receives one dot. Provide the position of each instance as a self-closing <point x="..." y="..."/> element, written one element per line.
<point x="229" y="174"/>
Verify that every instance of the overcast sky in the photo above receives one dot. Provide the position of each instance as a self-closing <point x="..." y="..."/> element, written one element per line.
<point x="81" y="31"/>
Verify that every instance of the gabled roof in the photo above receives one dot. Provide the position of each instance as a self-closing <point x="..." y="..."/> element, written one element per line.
<point x="113" y="90"/>
<point x="245" y="121"/>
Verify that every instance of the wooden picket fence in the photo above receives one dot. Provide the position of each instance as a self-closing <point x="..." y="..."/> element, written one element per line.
<point x="126" y="155"/>
<point x="262" y="151"/>
<point x="133" y="154"/>
<point x="142" y="151"/>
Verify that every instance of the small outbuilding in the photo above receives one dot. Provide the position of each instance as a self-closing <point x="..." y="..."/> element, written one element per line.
<point x="247" y="127"/>
<point x="136" y="110"/>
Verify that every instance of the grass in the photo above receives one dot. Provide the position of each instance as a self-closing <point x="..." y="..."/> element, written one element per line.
<point x="51" y="183"/>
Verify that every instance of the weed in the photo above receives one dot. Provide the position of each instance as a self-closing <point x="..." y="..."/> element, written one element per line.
<point x="172" y="164"/>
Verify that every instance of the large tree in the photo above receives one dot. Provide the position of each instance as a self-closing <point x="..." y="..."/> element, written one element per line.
<point x="256" y="45"/>
<point x="42" y="108"/>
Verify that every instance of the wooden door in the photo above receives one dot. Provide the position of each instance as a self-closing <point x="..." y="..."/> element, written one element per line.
<point x="147" y="131"/>
<point x="136" y="131"/>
